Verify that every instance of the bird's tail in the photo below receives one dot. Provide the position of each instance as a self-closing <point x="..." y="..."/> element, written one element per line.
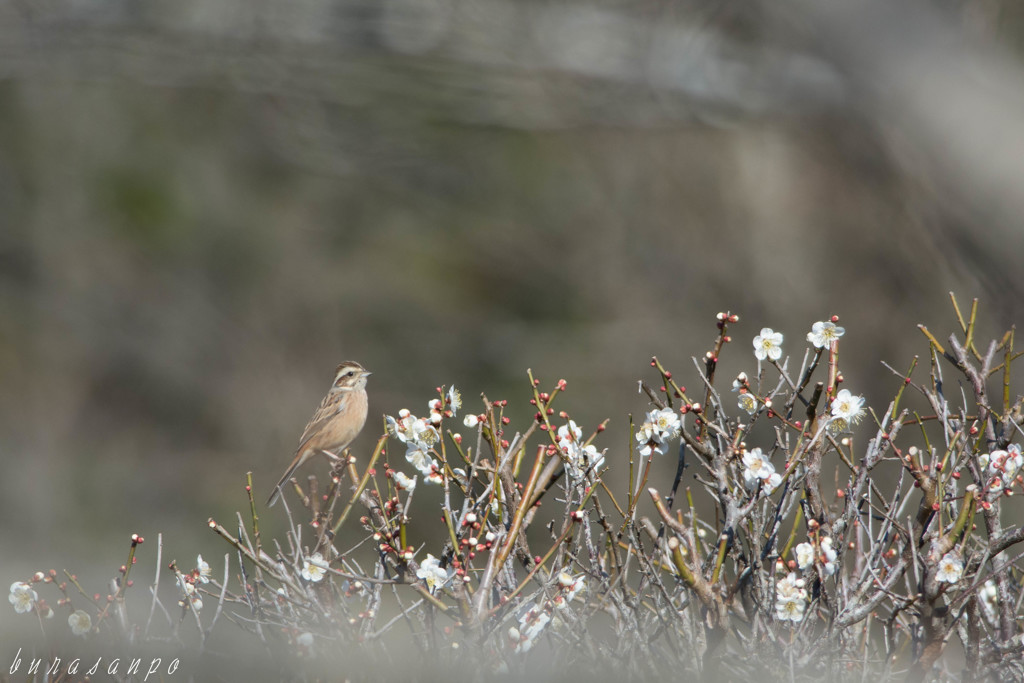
<point x="299" y="459"/>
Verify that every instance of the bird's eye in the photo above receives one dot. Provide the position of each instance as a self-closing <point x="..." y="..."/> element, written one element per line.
<point x="351" y="372"/>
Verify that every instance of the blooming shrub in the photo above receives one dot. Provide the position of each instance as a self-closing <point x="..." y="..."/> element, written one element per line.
<point x="906" y="570"/>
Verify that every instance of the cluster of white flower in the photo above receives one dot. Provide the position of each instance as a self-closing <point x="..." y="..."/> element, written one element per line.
<point x="1002" y="465"/>
<point x="569" y="587"/>
<point x="578" y="458"/>
<point x="747" y="401"/>
<point x="200" y="574"/>
<point x="847" y="410"/>
<point x="828" y="556"/>
<point x="758" y="469"/>
<point x="531" y="623"/>
<point x="24" y="599"/>
<point x="431" y="572"/>
<point x="419" y="437"/>
<point x="951" y="568"/>
<point x="790" y="598"/>
<point x="660" y="427"/>
<point x="768" y="344"/>
<point x="438" y="408"/>
<point x="314" y="568"/>
<point x="191" y="596"/>
<point x="534" y="618"/>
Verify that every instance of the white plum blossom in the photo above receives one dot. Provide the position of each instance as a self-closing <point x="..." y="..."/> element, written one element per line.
<point x="568" y="434"/>
<point x="822" y="334"/>
<point x="454" y="400"/>
<point x="747" y="402"/>
<point x="403" y="482"/>
<point x="431" y="572"/>
<point x="740" y="381"/>
<point x="581" y="459"/>
<point x="647" y="437"/>
<point x="758" y="469"/>
<point x="804" y="555"/>
<point x="565" y="579"/>
<point x="461" y="476"/>
<point x="828" y="555"/>
<point x="203" y="569"/>
<point x="514" y="636"/>
<point x="789" y="610"/>
<point x="399" y="428"/>
<point x="951" y="567"/>
<point x="412" y="430"/>
<point x="790" y="598"/>
<point x="421" y="459"/>
<point x="848" y="406"/>
<point x="578" y="458"/>
<point x="80" y="622"/>
<point x="1003" y="464"/>
<point x="531" y="624"/>
<point x="768" y="344"/>
<point x="425" y="434"/>
<point x="570" y="586"/>
<point x="847" y="410"/>
<point x="419" y="436"/>
<point x="667" y="422"/>
<point x="471" y="421"/>
<point x="192" y="597"/>
<point x="436" y="407"/>
<point x="989" y="595"/>
<point x="660" y="427"/>
<point x="22" y="597"/>
<point x="1015" y="457"/>
<point x="791" y="586"/>
<point x="314" y="568"/>
<point x="579" y="584"/>
<point x="304" y="641"/>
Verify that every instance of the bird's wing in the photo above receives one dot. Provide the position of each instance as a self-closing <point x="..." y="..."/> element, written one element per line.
<point x="328" y="408"/>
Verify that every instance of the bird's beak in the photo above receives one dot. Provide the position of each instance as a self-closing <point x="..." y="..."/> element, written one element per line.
<point x="366" y="373"/>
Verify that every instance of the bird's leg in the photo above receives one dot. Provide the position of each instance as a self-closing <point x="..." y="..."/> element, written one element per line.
<point x="331" y="457"/>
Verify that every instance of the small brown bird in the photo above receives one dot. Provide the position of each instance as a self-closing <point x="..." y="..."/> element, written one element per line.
<point x="335" y="424"/>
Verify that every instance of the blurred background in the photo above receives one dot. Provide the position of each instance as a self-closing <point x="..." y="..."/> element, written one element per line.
<point x="205" y="205"/>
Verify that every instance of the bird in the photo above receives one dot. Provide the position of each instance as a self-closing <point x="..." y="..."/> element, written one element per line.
<point x="335" y="424"/>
